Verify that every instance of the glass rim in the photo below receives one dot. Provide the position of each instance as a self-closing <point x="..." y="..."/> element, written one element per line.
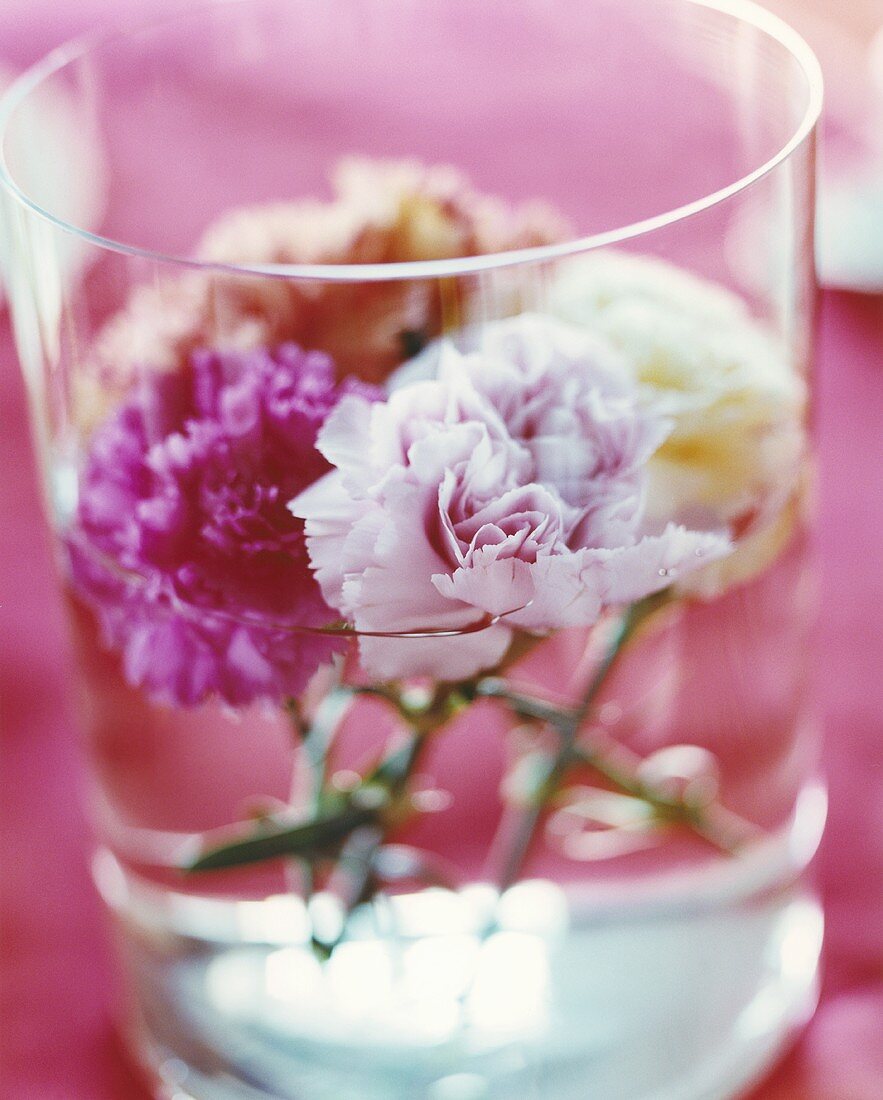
<point x="747" y="12"/>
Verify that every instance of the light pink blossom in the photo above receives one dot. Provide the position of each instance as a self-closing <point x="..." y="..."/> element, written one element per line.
<point x="508" y="487"/>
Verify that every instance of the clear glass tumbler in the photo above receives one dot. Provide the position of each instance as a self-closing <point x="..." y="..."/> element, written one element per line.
<point x="421" y="393"/>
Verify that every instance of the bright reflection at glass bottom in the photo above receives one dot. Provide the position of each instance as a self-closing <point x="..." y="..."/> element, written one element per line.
<point x="793" y="955"/>
<point x="416" y="991"/>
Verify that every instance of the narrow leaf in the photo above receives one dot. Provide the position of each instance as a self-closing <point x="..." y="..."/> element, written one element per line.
<point x="311" y="838"/>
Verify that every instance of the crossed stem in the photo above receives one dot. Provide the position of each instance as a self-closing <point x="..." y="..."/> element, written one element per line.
<point x="351" y="828"/>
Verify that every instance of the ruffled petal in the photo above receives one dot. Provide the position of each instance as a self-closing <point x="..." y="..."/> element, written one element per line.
<point x="655" y="562"/>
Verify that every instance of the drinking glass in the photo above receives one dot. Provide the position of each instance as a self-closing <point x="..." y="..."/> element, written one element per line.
<point x="420" y="390"/>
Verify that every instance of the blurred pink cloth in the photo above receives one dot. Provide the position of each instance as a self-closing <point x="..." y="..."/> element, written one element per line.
<point x="56" y="985"/>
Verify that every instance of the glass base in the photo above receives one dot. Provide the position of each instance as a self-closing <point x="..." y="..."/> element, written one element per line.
<point x="725" y="1073"/>
<point x="649" y="1066"/>
<point x="688" y="995"/>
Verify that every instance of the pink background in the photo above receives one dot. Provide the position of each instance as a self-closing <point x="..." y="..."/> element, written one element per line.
<point x="55" y="975"/>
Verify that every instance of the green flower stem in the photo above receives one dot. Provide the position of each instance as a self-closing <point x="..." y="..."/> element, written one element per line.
<point x="308" y="840"/>
<point x="348" y="829"/>
<point x="300" y="742"/>
<point x="317" y="735"/>
<point x="336" y="814"/>
<point x="721" y="828"/>
<point x="313" y="739"/>
<point x="359" y="855"/>
<point x="567" y="723"/>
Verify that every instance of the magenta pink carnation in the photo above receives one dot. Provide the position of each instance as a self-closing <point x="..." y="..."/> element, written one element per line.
<point x="508" y="485"/>
<point x="183" y="543"/>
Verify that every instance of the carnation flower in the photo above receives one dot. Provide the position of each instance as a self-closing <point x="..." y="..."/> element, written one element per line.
<point x="382" y="212"/>
<point x="183" y="542"/>
<point x="509" y="487"/>
<point x="735" y="402"/>
<point x="737" y="405"/>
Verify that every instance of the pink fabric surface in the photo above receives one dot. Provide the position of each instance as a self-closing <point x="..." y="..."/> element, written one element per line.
<point x="56" y="984"/>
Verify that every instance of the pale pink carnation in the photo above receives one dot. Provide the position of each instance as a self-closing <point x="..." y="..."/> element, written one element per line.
<point x="510" y="485"/>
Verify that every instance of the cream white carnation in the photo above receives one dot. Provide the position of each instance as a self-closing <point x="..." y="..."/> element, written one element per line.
<point x="735" y="453"/>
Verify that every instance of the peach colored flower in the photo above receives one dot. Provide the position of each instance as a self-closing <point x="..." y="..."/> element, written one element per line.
<point x="381" y="212"/>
